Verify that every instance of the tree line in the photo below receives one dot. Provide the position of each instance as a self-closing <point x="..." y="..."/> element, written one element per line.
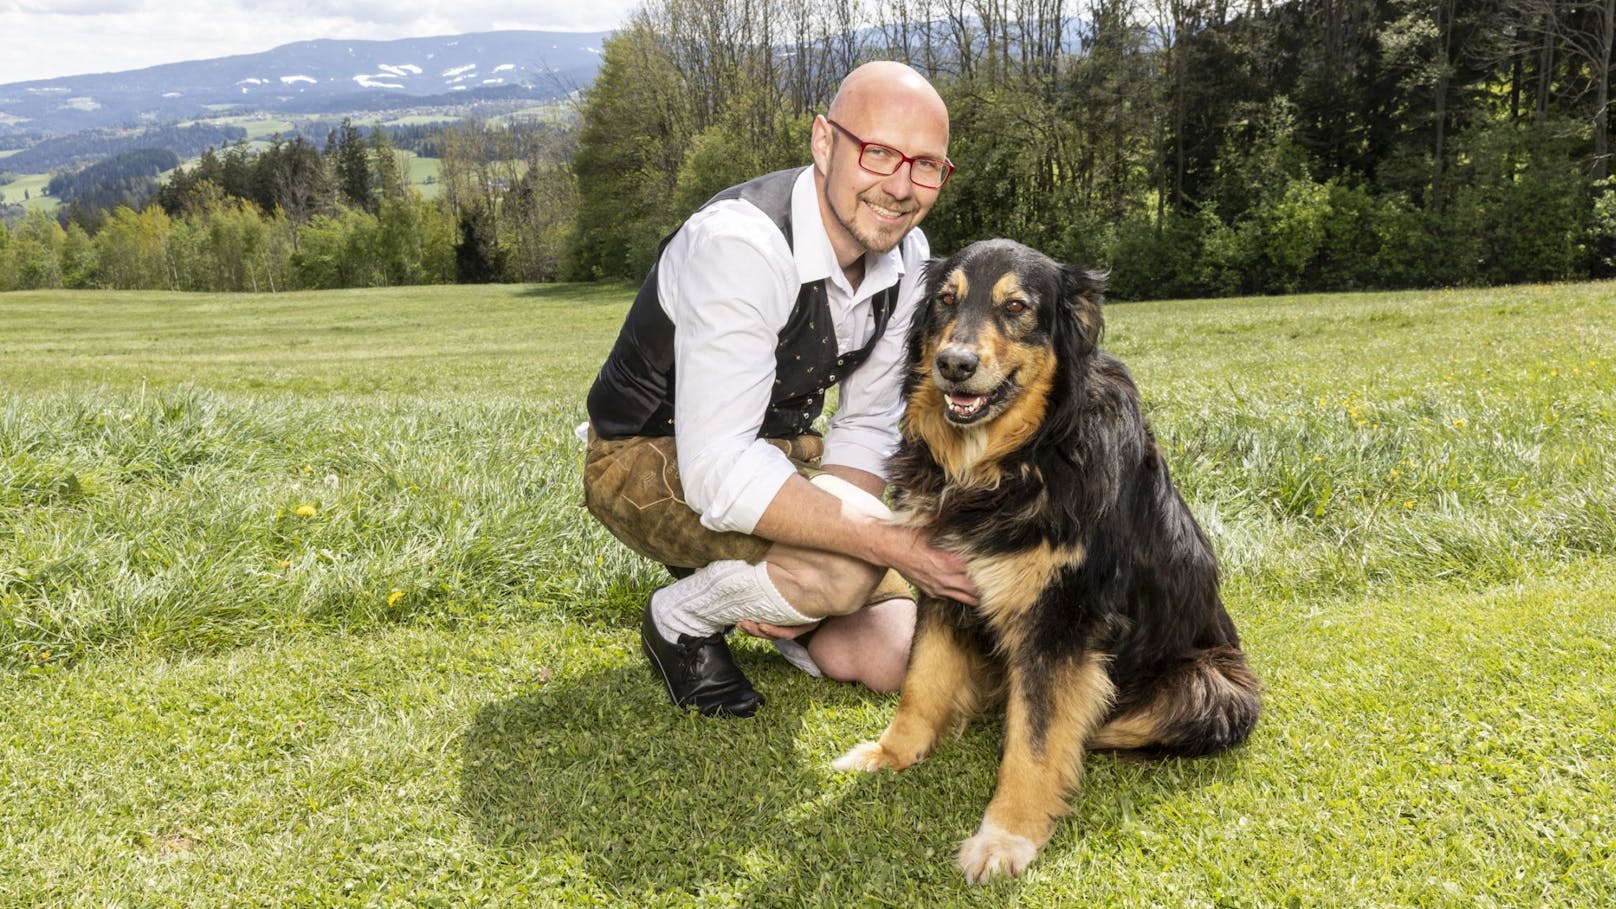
<point x="296" y="215"/>
<point x="1193" y="147"/>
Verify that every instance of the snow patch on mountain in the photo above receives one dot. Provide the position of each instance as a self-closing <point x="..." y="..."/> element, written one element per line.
<point x="366" y="80"/>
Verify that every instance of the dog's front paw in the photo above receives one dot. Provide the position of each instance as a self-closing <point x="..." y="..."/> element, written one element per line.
<point x="993" y="852"/>
<point x="868" y="757"/>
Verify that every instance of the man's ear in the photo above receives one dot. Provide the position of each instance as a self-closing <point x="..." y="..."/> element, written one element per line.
<point x="819" y="140"/>
<point x="1083" y="291"/>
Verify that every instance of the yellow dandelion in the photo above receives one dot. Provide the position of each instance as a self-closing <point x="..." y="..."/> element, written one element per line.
<point x="306" y="511"/>
<point x="1409" y="506"/>
<point x="394" y="597"/>
<point x="1460" y="423"/>
<point x="285" y="563"/>
<point x="1396" y="473"/>
<point x="308" y="469"/>
<point x="1318" y="458"/>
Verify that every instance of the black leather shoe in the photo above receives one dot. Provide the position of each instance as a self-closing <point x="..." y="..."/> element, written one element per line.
<point x="698" y="672"/>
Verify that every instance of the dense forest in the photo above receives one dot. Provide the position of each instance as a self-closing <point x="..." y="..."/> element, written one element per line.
<point x="1193" y="147"/>
<point x="127" y="178"/>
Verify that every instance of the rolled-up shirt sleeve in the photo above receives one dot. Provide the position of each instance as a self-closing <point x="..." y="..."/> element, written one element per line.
<point x="863" y="432"/>
<point x="728" y="291"/>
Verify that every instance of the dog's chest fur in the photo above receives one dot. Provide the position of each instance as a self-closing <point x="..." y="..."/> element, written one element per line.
<point x="1001" y="534"/>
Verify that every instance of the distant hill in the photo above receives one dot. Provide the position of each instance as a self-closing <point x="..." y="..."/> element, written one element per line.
<point x="310" y="76"/>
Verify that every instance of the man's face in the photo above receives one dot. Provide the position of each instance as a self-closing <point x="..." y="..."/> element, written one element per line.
<point x="867" y="212"/>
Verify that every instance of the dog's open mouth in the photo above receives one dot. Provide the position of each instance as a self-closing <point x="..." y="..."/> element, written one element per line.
<point x="967" y="408"/>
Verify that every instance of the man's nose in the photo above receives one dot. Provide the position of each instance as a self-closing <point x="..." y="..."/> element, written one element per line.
<point x="899" y="185"/>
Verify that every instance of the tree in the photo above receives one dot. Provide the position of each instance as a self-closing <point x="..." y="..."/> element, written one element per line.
<point x="350" y="158"/>
<point x="637" y="122"/>
<point x="388" y="173"/>
<point x="132" y="250"/>
<point x="36" y="252"/>
<point x="79" y="267"/>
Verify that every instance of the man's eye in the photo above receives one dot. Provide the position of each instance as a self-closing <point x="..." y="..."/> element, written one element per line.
<point x="880" y="152"/>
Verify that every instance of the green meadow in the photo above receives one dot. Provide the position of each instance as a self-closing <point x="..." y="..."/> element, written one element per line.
<point x="298" y="607"/>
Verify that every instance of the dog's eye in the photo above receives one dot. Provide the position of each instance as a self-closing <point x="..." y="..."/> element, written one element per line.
<point x="1015" y="307"/>
<point x="945" y="299"/>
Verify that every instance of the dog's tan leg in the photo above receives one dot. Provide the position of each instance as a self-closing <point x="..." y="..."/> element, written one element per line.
<point x="944" y="683"/>
<point x="1048" y="718"/>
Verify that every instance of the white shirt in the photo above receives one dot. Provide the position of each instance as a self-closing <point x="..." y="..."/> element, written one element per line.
<point x="728" y="281"/>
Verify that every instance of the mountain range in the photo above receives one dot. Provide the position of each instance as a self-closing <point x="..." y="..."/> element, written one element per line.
<point x="328" y="75"/>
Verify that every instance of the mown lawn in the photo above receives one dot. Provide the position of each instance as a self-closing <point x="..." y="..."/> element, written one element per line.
<point x="297" y="607"/>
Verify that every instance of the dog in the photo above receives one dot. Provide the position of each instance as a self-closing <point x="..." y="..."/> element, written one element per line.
<point x="1099" y="623"/>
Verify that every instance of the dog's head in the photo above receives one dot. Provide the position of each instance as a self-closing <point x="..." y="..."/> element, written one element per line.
<point x="999" y="327"/>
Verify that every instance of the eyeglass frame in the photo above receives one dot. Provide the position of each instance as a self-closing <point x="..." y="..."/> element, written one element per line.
<point x="948" y="166"/>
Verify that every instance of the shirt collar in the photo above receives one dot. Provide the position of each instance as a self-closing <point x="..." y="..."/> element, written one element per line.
<point x="812" y="250"/>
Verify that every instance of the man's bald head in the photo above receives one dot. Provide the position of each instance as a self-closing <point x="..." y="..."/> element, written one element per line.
<point x="876" y="90"/>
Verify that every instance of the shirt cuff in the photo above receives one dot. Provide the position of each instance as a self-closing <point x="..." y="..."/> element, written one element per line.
<point x="750" y="484"/>
<point x="864" y="450"/>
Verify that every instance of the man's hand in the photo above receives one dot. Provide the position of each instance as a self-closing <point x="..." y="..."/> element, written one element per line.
<point x="938" y="572"/>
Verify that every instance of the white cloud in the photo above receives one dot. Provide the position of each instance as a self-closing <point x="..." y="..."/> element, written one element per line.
<point x="50" y="38"/>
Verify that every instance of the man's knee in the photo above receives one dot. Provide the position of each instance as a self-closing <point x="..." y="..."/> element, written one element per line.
<point x="870" y="647"/>
<point x="821" y="584"/>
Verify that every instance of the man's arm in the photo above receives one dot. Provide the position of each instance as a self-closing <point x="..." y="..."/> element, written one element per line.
<point x="801" y="514"/>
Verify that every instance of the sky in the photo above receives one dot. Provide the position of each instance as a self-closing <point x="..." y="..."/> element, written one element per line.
<point x="44" y="39"/>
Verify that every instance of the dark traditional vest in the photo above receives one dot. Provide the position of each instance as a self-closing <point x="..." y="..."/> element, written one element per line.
<point x="633" y="395"/>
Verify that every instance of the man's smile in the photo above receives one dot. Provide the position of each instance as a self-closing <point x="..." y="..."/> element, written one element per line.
<point x="889" y="214"/>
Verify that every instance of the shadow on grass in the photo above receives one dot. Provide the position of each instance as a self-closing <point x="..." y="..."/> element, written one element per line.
<point x="598" y="780"/>
<point x="602" y="291"/>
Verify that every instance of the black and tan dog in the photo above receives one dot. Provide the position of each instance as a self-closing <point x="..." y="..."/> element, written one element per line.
<point x="1099" y="623"/>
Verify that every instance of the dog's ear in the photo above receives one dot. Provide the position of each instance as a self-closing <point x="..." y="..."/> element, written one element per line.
<point x="931" y="272"/>
<point x="1083" y="291"/>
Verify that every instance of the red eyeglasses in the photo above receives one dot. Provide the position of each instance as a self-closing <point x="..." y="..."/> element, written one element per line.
<point x="884" y="161"/>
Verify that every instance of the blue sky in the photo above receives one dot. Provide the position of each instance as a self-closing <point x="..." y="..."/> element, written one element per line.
<point x="49" y="38"/>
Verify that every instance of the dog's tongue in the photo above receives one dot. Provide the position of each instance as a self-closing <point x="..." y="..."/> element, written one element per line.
<point x="965" y="405"/>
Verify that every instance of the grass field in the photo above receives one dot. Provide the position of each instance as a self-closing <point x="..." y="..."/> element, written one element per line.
<point x="297" y="607"/>
<point x="31" y="186"/>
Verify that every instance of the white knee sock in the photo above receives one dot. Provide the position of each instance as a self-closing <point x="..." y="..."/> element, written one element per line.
<point x="718" y="595"/>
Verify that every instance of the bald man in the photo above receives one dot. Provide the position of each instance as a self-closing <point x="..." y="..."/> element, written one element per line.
<point x="703" y="453"/>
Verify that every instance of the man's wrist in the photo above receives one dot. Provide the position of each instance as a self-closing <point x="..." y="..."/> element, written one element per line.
<point x="888" y="542"/>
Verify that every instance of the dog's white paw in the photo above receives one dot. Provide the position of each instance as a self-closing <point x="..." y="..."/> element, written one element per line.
<point x="866" y="756"/>
<point x="994" y="852"/>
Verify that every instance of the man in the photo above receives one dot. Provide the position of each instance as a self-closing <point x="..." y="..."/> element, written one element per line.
<point x="702" y="454"/>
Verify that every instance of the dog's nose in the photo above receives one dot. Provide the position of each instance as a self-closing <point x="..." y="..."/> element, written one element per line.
<point x="957" y="364"/>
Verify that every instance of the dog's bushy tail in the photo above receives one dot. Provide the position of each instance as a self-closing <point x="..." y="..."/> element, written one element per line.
<point x="1206" y="703"/>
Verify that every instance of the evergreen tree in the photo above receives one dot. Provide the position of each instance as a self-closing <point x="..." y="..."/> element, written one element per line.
<point x="351" y="164"/>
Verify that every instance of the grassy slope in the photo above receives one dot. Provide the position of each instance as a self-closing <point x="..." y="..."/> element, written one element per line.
<point x="427" y="689"/>
<point x="31" y="185"/>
